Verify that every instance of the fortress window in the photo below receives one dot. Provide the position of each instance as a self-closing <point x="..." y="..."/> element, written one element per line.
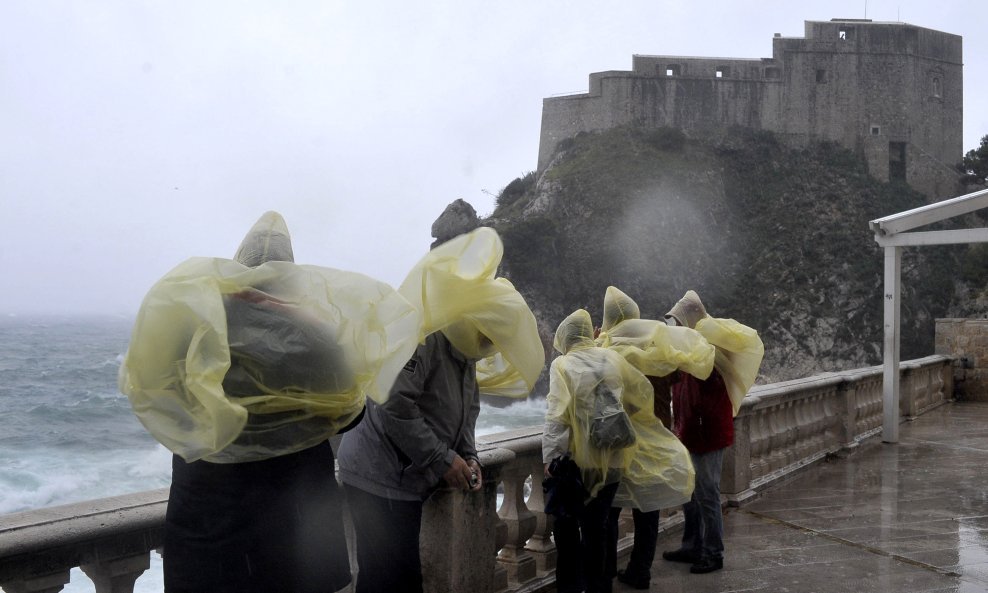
<point x="721" y="71"/>
<point x="937" y="91"/>
<point x="876" y="130"/>
<point x="846" y="34"/>
<point x="821" y="75"/>
<point x="672" y="70"/>
<point x="772" y="73"/>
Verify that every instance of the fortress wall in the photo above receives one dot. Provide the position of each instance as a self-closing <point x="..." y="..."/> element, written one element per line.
<point x="605" y="107"/>
<point x="697" y="105"/>
<point x="937" y="102"/>
<point x="890" y="91"/>
<point x="730" y="68"/>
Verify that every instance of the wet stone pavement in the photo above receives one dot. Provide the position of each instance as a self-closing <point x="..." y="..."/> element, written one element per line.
<point x="890" y="518"/>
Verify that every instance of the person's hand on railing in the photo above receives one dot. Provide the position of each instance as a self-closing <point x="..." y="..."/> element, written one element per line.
<point x="458" y="475"/>
<point x="476" y="476"/>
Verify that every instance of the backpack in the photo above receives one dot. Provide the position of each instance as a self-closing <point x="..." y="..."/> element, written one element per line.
<point x="610" y="426"/>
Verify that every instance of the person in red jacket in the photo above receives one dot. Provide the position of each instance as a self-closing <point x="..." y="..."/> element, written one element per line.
<point x="703" y="419"/>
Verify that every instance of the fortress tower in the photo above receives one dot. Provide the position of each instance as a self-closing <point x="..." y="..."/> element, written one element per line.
<point x="892" y="92"/>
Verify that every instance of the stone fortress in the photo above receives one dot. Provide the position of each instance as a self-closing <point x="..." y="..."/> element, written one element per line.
<point x="889" y="91"/>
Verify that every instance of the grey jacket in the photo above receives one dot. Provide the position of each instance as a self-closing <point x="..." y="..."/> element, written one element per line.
<point x="401" y="449"/>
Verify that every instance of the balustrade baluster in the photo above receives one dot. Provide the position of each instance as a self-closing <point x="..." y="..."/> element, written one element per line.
<point x="759" y="444"/>
<point x="540" y="544"/>
<point x="521" y="523"/>
<point x="117" y="575"/>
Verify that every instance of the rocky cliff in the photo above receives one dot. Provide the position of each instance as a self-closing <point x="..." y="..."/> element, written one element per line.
<point x="774" y="237"/>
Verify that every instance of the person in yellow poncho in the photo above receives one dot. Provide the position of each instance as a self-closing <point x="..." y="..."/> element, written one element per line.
<point x="244" y="368"/>
<point x="596" y="406"/>
<point x="656" y="350"/>
<point x="703" y="413"/>
<point x="478" y="335"/>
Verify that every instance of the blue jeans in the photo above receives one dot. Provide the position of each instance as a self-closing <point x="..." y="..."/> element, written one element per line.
<point x="703" y="530"/>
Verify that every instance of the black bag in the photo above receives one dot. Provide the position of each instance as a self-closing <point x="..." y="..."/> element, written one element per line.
<point x="564" y="491"/>
<point x="610" y="426"/>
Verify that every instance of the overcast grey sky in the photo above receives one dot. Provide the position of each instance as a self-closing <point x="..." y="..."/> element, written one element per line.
<point x="135" y="134"/>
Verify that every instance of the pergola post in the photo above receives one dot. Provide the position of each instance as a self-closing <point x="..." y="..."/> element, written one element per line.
<point x="890" y="376"/>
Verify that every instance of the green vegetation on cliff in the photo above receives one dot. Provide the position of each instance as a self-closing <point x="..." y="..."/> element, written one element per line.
<point x="774" y="237"/>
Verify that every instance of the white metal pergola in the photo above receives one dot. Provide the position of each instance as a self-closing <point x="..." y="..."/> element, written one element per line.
<point x="890" y="233"/>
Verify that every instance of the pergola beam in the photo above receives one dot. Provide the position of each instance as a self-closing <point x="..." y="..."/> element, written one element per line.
<point x="933" y="238"/>
<point x="910" y="219"/>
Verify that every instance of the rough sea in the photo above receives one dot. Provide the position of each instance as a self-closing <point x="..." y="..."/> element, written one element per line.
<point x="69" y="435"/>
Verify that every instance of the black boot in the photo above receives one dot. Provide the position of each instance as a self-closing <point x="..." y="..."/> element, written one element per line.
<point x="706" y="565"/>
<point x="635" y="581"/>
<point x="681" y="555"/>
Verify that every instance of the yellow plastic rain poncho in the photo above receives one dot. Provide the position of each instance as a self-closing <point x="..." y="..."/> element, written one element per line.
<point x="484" y="317"/>
<point x="651" y="346"/>
<point x="247" y="359"/>
<point x="739" y="349"/>
<point x="739" y="355"/>
<point x="655" y="470"/>
<point x="655" y="349"/>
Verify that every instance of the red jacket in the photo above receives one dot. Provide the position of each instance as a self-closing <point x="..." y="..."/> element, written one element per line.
<point x="703" y="418"/>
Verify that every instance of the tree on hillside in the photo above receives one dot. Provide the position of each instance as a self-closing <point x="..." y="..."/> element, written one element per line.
<point x="975" y="164"/>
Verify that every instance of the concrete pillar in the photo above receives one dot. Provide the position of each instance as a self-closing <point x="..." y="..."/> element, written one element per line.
<point x="458" y="534"/>
<point x="735" y="478"/>
<point x="845" y="406"/>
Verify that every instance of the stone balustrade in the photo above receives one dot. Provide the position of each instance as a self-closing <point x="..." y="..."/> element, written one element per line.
<point x="783" y="427"/>
<point x="469" y="541"/>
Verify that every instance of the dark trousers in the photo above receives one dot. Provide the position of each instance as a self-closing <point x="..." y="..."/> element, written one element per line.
<point x="643" y="552"/>
<point x="387" y="533"/>
<point x="582" y="546"/>
<point x="260" y="527"/>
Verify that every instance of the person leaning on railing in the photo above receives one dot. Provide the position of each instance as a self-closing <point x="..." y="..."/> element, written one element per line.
<point x="479" y="336"/>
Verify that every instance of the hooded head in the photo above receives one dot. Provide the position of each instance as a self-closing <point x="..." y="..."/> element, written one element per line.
<point x="688" y="311"/>
<point x="618" y="307"/>
<point x="268" y="240"/>
<point x="576" y="331"/>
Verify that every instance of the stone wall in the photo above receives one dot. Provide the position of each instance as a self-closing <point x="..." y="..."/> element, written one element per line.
<point x="967" y="341"/>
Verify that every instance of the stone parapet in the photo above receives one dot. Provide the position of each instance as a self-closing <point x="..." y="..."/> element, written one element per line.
<point x="784" y="427"/>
